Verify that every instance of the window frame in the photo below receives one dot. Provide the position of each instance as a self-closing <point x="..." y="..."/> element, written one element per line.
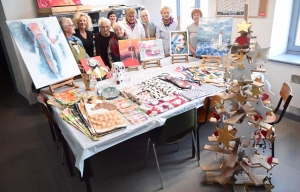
<point x="293" y="28"/>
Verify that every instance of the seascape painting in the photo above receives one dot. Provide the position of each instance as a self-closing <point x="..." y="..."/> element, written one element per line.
<point x="179" y="43"/>
<point x="129" y="52"/>
<point x="214" y="36"/>
<point x="44" y="49"/>
<point x="52" y="3"/>
<point x="151" y="49"/>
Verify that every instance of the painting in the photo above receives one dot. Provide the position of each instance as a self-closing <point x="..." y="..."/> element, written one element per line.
<point x="129" y="52"/>
<point x="95" y="66"/>
<point x="44" y="49"/>
<point x="179" y="43"/>
<point x="214" y="36"/>
<point x="53" y="3"/>
<point x="151" y="49"/>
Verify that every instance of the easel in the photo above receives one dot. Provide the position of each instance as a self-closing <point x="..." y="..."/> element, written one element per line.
<point x="69" y="82"/>
<point x="181" y="57"/>
<point x="211" y="59"/>
<point x="133" y="68"/>
<point x="151" y="62"/>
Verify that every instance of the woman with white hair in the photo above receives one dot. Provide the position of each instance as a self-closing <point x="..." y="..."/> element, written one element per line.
<point x="133" y="27"/>
<point x="113" y="45"/>
<point x="168" y="24"/>
<point x="145" y="19"/>
<point x="102" y="39"/>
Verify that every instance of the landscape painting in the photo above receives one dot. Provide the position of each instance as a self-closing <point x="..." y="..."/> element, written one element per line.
<point x="53" y="3"/>
<point x="179" y="43"/>
<point x="151" y="49"/>
<point x="214" y="36"/>
<point x="44" y="49"/>
<point x="129" y="52"/>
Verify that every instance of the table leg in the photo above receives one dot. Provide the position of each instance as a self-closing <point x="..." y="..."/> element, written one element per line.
<point x="86" y="175"/>
<point x="193" y="148"/>
<point x="67" y="156"/>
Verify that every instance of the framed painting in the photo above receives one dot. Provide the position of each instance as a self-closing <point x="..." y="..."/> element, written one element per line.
<point x="129" y="52"/>
<point x="214" y="36"/>
<point x="95" y="66"/>
<point x="179" y="43"/>
<point x="44" y="49"/>
<point x="53" y="3"/>
<point x="151" y="49"/>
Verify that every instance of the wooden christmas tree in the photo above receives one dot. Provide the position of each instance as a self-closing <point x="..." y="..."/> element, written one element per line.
<point x="241" y="117"/>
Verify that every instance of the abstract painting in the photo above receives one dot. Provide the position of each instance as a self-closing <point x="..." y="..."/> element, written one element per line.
<point x="151" y="49"/>
<point x="44" y="49"/>
<point x="214" y="36"/>
<point x="129" y="52"/>
<point x="179" y="43"/>
<point x="52" y="3"/>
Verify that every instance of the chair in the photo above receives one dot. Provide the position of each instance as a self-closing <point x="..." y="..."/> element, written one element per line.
<point x="173" y="131"/>
<point x="204" y="114"/>
<point x="55" y="129"/>
<point x="285" y="95"/>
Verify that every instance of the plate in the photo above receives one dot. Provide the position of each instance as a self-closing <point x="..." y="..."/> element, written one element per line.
<point x="109" y="93"/>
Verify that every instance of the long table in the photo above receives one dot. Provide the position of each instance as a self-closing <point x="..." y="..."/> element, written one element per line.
<point x="83" y="147"/>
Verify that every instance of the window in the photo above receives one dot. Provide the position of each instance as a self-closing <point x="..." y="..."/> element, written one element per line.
<point x="294" y="36"/>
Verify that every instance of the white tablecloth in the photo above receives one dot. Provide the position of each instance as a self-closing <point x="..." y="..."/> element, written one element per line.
<point x="83" y="147"/>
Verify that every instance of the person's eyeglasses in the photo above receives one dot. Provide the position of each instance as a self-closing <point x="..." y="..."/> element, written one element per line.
<point x="70" y="25"/>
<point x="141" y="9"/>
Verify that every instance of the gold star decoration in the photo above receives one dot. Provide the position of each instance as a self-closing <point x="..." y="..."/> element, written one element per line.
<point x="225" y="136"/>
<point x="243" y="27"/>
<point x="240" y="98"/>
<point x="241" y="66"/>
<point x="258" y="79"/>
<point x="255" y="91"/>
<point x="240" y="57"/>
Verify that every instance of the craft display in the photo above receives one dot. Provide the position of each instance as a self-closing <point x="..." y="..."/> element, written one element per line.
<point x="241" y="123"/>
<point x="118" y="70"/>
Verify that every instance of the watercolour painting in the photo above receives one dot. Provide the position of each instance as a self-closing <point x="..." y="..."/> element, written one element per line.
<point x="214" y="36"/>
<point x="53" y="3"/>
<point x="129" y="52"/>
<point x="44" y="49"/>
<point x="151" y="49"/>
<point x="179" y="43"/>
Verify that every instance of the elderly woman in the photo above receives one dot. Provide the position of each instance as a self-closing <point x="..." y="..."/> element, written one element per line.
<point x="75" y="43"/>
<point x="113" y="45"/>
<point x="102" y="39"/>
<point x="168" y="24"/>
<point x="112" y="16"/>
<point x="145" y="19"/>
<point x="133" y="28"/>
<point x="193" y="31"/>
<point x="82" y="24"/>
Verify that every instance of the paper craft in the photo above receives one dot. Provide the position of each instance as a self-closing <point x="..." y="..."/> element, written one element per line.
<point x="52" y="3"/>
<point x="151" y="49"/>
<point x="129" y="52"/>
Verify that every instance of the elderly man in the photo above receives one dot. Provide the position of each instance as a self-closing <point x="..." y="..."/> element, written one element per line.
<point x="75" y="43"/>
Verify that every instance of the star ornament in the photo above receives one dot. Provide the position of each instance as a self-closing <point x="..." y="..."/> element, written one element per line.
<point x="239" y="178"/>
<point x="248" y="68"/>
<point x="255" y="91"/>
<point x="227" y="60"/>
<point x="240" y="98"/>
<point x="260" y="108"/>
<point x="225" y="136"/>
<point x="259" y="54"/>
<point x="243" y="27"/>
<point x="244" y="129"/>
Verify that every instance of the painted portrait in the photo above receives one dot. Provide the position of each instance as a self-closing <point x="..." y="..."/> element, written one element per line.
<point x="95" y="66"/>
<point x="214" y="36"/>
<point x="44" y="49"/>
<point x="129" y="52"/>
<point x="179" y="44"/>
<point x="151" y="49"/>
<point x="52" y="3"/>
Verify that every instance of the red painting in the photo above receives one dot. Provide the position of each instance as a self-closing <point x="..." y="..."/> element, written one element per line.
<point x="129" y="52"/>
<point x="52" y="3"/>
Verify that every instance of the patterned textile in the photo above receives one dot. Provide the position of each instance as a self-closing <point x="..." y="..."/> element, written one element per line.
<point x="68" y="98"/>
<point x="203" y="90"/>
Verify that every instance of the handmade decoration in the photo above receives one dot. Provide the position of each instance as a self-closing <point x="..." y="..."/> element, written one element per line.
<point x="118" y="70"/>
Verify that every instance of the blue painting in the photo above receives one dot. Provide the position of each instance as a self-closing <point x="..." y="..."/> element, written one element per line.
<point x="44" y="49"/>
<point x="179" y="43"/>
<point x="214" y="36"/>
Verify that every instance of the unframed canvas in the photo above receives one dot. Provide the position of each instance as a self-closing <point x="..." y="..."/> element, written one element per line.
<point x="151" y="49"/>
<point x="179" y="43"/>
<point x="214" y="36"/>
<point x="44" y="50"/>
<point x="129" y="52"/>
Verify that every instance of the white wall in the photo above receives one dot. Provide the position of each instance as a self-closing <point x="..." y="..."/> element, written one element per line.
<point x="153" y="6"/>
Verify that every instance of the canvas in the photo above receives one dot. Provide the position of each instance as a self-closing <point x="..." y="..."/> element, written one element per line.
<point x="44" y="49"/>
<point x="52" y="3"/>
<point x="151" y="49"/>
<point x="95" y="66"/>
<point x="214" y="36"/>
<point x="179" y="43"/>
<point x="129" y="52"/>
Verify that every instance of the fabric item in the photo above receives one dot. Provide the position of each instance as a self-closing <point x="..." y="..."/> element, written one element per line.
<point x="163" y="105"/>
<point x="113" y="48"/>
<point x="138" y="118"/>
<point x="128" y="109"/>
<point x="152" y="30"/>
<point x="78" y="51"/>
<point x="193" y="33"/>
<point x="88" y="43"/>
<point x="101" y="44"/>
<point x="68" y="98"/>
<point x="137" y="33"/>
<point x="201" y="91"/>
<point x="163" y="33"/>
<point x="168" y="22"/>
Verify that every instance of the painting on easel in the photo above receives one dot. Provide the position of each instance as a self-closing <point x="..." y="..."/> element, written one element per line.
<point x="52" y="3"/>
<point x="129" y="52"/>
<point x="151" y="49"/>
<point x="179" y="43"/>
<point x="44" y="49"/>
<point x="214" y="36"/>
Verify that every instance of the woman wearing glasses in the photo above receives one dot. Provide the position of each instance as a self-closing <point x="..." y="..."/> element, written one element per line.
<point x="82" y="24"/>
<point x="133" y="27"/>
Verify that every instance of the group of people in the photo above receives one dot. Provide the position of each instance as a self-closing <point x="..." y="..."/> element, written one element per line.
<point x="82" y="42"/>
